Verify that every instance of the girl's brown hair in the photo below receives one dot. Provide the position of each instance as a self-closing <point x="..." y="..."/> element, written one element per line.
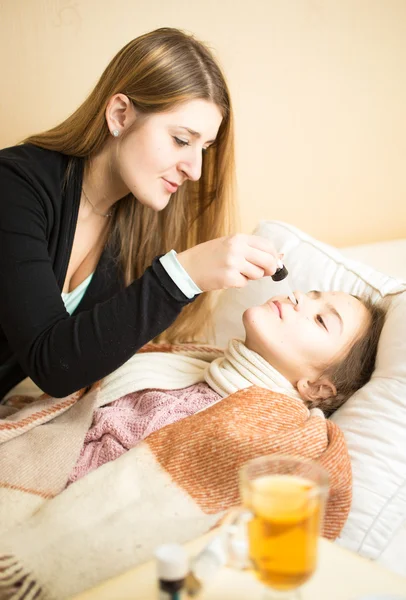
<point x="157" y="72"/>
<point x="356" y="369"/>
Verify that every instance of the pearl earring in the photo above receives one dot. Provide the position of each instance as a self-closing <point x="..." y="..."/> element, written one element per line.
<point x="115" y="132"/>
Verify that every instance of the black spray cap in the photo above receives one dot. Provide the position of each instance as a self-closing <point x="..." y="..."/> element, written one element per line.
<point x="280" y="273"/>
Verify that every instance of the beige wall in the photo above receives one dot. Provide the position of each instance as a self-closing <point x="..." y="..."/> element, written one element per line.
<point x="319" y="89"/>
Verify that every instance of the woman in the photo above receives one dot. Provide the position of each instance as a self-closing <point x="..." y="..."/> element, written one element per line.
<point x="87" y="210"/>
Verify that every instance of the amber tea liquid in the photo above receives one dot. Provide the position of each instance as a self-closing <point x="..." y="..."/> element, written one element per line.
<point x="283" y="533"/>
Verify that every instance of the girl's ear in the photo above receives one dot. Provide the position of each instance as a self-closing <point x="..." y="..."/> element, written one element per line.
<point x="321" y="389"/>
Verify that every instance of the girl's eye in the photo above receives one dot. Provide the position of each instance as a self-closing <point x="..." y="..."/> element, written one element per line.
<point x="320" y="319"/>
<point x="181" y="142"/>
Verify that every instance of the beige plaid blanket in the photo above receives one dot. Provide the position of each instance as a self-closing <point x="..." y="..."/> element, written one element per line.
<point x="173" y="486"/>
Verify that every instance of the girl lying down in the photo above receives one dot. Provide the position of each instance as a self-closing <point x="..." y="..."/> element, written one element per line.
<point x="320" y="350"/>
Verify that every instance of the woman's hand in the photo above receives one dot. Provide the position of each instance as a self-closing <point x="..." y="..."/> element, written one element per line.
<point x="229" y="261"/>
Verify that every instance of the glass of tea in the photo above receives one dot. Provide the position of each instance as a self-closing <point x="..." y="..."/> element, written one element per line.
<point x="283" y="500"/>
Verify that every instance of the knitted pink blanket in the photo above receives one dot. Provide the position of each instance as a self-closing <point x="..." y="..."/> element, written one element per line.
<point x="120" y="425"/>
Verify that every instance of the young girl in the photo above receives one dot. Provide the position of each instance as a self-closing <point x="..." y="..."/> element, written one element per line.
<point x="88" y="208"/>
<point x="320" y="350"/>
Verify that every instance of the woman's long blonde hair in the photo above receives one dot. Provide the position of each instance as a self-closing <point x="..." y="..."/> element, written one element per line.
<point x="157" y="72"/>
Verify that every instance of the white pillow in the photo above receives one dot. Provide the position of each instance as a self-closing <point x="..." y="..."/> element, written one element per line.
<point x="373" y="420"/>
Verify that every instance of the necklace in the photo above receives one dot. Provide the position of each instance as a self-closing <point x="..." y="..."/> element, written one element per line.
<point x="97" y="212"/>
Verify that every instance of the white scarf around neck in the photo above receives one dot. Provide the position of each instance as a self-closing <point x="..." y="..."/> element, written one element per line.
<point x="235" y="369"/>
<point x="240" y="368"/>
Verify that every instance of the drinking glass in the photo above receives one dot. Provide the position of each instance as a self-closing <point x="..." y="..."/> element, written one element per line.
<point x="283" y="501"/>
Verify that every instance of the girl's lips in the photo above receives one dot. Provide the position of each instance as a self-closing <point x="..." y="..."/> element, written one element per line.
<point x="171" y="187"/>
<point x="276" y="307"/>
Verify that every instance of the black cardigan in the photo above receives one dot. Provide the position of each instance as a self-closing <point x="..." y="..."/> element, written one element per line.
<point x="38" y="338"/>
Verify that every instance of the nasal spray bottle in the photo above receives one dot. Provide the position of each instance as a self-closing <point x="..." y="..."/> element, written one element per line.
<point x="281" y="274"/>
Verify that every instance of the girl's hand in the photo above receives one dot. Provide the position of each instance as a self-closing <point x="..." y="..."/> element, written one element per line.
<point x="229" y="261"/>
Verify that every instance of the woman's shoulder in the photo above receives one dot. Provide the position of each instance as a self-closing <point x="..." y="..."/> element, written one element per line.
<point x="42" y="170"/>
<point x="33" y="158"/>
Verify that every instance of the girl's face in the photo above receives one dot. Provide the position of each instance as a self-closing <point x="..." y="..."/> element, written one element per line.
<point x="302" y="340"/>
<point x="164" y="150"/>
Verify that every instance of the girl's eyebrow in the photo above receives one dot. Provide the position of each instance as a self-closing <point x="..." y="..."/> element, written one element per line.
<point x="335" y="312"/>
<point x="330" y="308"/>
<point x="195" y="134"/>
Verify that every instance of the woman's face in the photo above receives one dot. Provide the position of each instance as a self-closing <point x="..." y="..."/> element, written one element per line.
<point x="302" y="340"/>
<point x="165" y="149"/>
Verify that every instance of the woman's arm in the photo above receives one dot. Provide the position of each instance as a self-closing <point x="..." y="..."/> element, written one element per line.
<point x="61" y="353"/>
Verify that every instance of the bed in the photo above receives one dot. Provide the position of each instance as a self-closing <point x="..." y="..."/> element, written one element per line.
<point x="373" y="420"/>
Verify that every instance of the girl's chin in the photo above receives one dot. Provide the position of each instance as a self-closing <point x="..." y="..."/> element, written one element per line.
<point x="251" y="314"/>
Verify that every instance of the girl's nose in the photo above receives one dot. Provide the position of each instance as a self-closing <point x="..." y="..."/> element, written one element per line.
<point x="300" y="296"/>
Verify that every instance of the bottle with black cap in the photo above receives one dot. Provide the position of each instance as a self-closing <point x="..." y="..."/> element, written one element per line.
<point x="281" y="274"/>
<point x="172" y="568"/>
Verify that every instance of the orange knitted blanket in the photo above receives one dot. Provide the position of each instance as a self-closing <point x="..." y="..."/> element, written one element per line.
<point x="215" y="443"/>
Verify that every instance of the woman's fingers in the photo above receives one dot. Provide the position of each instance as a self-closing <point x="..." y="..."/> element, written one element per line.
<point x="250" y="271"/>
<point x="267" y="262"/>
<point x="260" y="243"/>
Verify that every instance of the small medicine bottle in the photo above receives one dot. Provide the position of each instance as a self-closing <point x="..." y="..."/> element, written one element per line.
<point x="172" y="568"/>
<point x="280" y="273"/>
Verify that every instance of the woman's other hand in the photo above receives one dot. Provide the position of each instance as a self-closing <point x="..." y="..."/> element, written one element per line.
<point x="229" y="261"/>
